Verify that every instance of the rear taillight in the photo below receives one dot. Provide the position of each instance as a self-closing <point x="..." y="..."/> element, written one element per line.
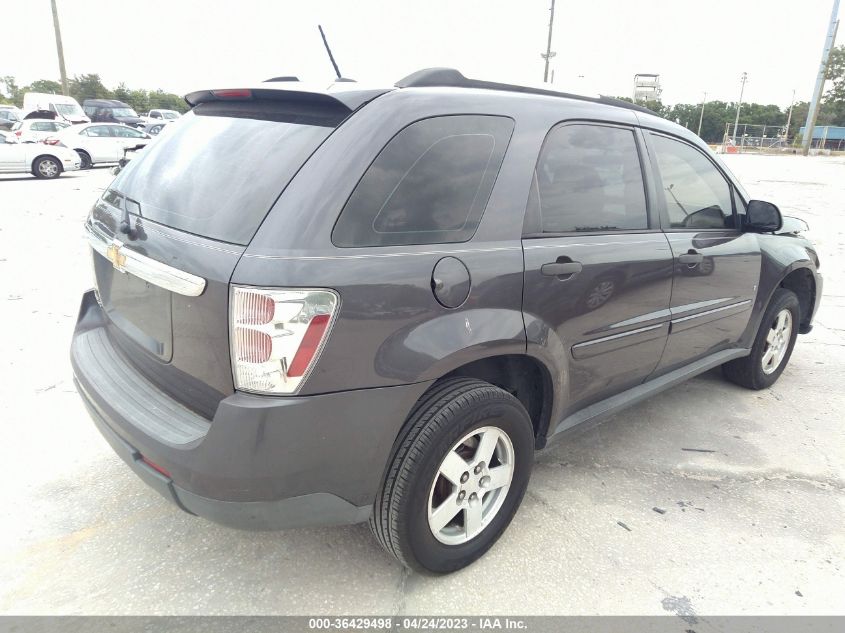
<point x="277" y="336"/>
<point x="18" y="133"/>
<point x="51" y="141"/>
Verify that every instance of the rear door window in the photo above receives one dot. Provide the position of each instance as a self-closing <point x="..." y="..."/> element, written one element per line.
<point x="220" y="168"/>
<point x="589" y="179"/>
<point x="430" y="184"/>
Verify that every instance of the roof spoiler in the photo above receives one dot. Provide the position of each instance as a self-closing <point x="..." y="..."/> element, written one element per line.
<point x="350" y="100"/>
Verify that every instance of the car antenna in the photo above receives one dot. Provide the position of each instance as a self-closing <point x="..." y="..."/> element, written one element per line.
<point x="329" y="51"/>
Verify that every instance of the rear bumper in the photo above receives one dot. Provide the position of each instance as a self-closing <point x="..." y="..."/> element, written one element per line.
<point x="262" y="462"/>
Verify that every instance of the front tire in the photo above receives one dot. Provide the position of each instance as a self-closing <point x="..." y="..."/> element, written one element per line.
<point x="85" y="161"/>
<point x="457" y="476"/>
<point x="47" y="168"/>
<point x="773" y="344"/>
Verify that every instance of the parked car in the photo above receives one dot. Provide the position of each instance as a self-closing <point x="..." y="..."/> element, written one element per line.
<point x="111" y="111"/>
<point x="39" y="160"/>
<point x="380" y="306"/>
<point x="66" y="108"/>
<point x="155" y="120"/>
<point x="37" y="130"/>
<point x="8" y="118"/>
<point x="99" y="142"/>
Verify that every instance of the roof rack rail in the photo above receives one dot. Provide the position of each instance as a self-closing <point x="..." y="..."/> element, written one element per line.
<point x="452" y="78"/>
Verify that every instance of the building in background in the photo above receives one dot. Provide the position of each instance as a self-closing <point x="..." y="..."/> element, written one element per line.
<point x="826" y="137"/>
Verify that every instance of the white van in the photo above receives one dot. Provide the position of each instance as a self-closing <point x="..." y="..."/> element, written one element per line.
<point x="66" y="108"/>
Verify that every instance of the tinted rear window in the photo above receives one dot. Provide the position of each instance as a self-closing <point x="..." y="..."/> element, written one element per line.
<point x="217" y="171"/>
<point x="429" y="185"/>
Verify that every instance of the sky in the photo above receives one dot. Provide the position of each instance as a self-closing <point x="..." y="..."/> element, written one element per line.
<point x="184" y="45"/>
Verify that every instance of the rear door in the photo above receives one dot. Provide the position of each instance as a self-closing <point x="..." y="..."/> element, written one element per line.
<point x="716" y="265"/>
<point x="193" y="201"/>
<point x="598" y="270"/>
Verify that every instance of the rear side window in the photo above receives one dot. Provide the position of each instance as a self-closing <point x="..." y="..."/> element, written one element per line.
<point x="589" y="178"/>
<point x="220" y="168"/>
<point x="429" y="185"/>
<point x="697" y="195"/>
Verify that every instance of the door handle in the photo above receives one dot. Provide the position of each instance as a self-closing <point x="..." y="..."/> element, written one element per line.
<point x="691" y="258"/>
<point x="561" y="269"/>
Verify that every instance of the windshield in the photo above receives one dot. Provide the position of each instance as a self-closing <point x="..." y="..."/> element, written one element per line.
<point x="216" y="173"/>
<point x="124" y="112"/>
<point x="69" y="109"/>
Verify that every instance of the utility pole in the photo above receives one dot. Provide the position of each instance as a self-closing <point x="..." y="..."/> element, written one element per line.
<point x="59" y="48"/>
<point x="789" y="116"/>
<point x="739" y="105"/>
<point x="549" y="54"/>
<point x="701" y="116"/>
<point x="810" y="126"/>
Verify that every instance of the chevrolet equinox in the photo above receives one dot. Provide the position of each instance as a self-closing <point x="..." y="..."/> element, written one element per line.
<point x="331" y="306"/>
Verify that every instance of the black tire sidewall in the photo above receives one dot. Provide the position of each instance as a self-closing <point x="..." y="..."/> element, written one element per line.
<point x="782" y="299"/>
<point x="84" y="159"/>
<point x="429" y="553"/>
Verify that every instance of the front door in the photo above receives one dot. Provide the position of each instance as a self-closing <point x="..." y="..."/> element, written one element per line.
<point x="598" y="271"/>
<point x="716" y="266"/>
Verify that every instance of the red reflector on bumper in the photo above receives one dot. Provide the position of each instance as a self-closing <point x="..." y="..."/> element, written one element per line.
<point x="156" y="467"/>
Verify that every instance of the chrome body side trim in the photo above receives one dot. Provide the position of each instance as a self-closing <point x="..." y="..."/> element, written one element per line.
<point x="155" y="272"/>
<point x="739" y="304"/>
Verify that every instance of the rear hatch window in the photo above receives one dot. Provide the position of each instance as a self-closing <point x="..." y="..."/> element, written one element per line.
<point x="217" y="171"/>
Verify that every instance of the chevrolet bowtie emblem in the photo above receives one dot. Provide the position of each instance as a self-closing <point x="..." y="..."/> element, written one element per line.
<point x="114" y="255"/>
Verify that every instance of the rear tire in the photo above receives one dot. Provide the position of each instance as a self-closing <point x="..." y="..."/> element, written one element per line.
<point x="773" y="344"/>
<point x="456" y="478"/>
<point x="46" y="167"/>
<point x="84" y="159"/>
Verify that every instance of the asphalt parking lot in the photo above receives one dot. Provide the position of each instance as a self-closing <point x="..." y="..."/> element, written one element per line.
<point x="708" y="499"/>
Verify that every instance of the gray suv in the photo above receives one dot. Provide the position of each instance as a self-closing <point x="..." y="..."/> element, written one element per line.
<point x="349" y="305"/>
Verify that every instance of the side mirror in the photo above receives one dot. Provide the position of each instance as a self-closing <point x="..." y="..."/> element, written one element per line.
<point x="762" y="217"/>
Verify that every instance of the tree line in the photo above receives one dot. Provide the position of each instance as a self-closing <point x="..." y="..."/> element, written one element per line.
<point x="90" y="86"/>
<point x="716" y="113"/>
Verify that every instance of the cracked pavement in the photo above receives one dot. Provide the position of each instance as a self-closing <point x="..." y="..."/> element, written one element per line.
<point x="707" y="499"/>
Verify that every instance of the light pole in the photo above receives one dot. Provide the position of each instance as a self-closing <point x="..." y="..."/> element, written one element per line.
<point x="549" y="54"/>
<point x="789" y="117"/>
<point x="739" y="105"/>
<point x="701" y="116"/>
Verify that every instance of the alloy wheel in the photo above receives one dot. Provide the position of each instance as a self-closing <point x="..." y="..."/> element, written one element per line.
<point x="777" y="341"/>
<point x="471" y="485"/>
<point x="48" y="168"/>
